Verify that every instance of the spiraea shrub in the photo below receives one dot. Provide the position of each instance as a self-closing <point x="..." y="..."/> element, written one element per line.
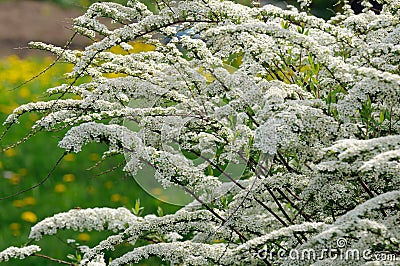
<point x="281" y="126"/>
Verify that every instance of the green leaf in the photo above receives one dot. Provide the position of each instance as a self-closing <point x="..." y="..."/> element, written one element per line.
<point x="381" y="117"/>
<point x="160" y="211"/>
<point x="137" y="210"/>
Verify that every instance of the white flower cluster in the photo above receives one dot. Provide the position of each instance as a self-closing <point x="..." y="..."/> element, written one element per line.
<point x="18" y="253"/>
<point x="283" y="127"/>
<point x="84" y="219"/>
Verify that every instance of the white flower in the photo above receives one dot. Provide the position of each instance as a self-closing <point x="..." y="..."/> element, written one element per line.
<point x="18" y="253"/>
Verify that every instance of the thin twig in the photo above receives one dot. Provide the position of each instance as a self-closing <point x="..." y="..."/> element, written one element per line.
<point x="38" y="184"/>
<point x="305" y="216"/>
<point x="370" y="193"/>
<point x="53" y="259"/>
<point x="285" y="163"/>
<point x="49" y="66"/>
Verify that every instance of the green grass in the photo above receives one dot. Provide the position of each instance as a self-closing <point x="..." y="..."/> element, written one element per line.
<point x="71" y="185"/>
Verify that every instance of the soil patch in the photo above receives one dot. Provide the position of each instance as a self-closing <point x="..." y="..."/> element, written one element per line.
<point x="25" y="21"/>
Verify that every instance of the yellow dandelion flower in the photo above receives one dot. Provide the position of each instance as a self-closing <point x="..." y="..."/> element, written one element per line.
<point x="30" y="201"/>
<point x="141" y="47"/>
<point x="15" y="179"/>
<point x="10" y="152"/>
<point x="115" y="197"/>
<point x="59" y="188"/>
<point x="29" y="216"/>
<point x="69" y="157"/>
<point x="69" y="178"/>
<point x="18" y="203"/>
<point x="15" y="226"/>
<point x="157" y="191"/>
<point x="84" y="237"/>
<point x="108" y="185"/>
<point x="94" y="157"/>
<point x="24" y="92"/>
<point x="90" y="190"/>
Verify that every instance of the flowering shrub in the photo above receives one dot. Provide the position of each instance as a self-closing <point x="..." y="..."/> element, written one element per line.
<point x="283" y="127"/>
